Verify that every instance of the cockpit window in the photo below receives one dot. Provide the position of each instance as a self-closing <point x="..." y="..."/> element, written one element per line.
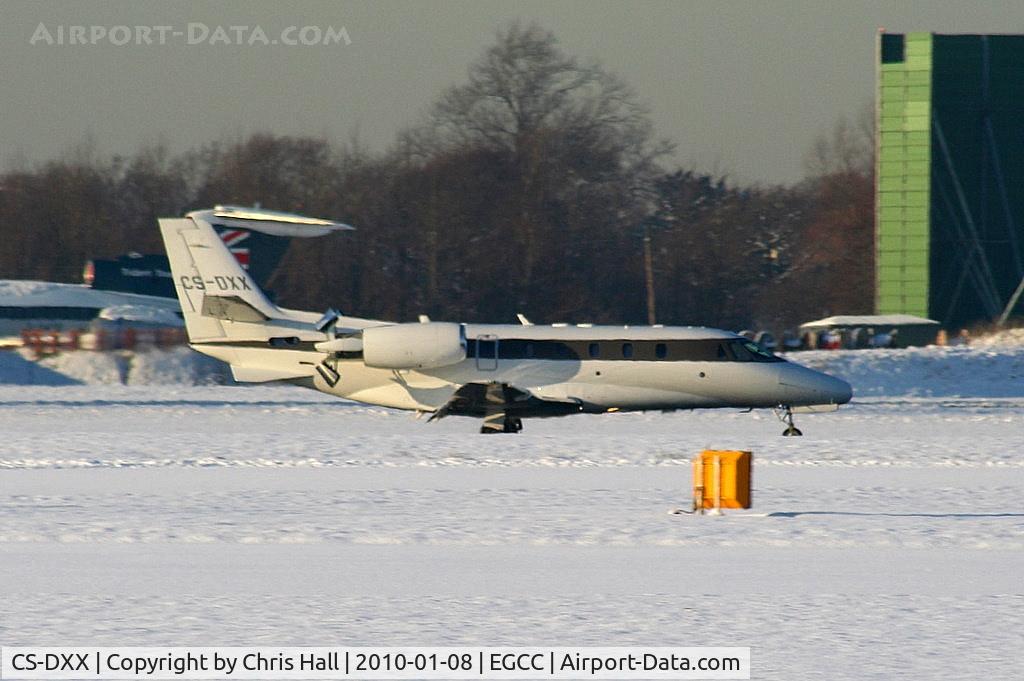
<point x="749" y="351"/>
<point x="758" y="351"/>
<point x="739" y="351"/>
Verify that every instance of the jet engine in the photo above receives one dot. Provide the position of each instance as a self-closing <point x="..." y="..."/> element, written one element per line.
<point x="427" y="345"/>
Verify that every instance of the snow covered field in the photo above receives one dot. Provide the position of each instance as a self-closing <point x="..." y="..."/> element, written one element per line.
<point x="887" y="543"/>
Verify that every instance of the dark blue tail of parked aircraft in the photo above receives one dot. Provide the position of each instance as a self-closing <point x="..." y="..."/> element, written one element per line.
<point x="151" y="274"/>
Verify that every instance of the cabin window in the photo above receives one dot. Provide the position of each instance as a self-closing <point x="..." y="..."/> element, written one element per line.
<point x="721" y="352"/>
<point x="660" y="351"/>
<point x="528" y="351"/>
<point x="627" y="350"/>
<point x="594" y="350"/>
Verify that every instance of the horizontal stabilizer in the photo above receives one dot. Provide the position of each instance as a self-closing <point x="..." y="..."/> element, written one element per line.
<point x="274" y="222"/>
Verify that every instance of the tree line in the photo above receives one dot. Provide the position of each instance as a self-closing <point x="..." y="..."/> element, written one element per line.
<point x="527" y="188"/>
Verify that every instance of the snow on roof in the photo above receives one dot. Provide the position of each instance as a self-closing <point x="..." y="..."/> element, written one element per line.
<point x="870" y="320"/>
<point x="22" y="293"/>
<point x="141" y="313"/>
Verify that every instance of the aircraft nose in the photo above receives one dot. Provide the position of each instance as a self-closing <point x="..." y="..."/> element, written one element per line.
<point x="806" y="386"/>
<point x="837" y="390"/>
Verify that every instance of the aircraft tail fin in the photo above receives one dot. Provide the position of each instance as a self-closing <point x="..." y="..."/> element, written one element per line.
<point x="209" y="280"/>
<point x="219" y="299"/>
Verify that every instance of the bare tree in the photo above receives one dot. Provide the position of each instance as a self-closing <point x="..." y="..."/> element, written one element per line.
<point x="848" y="148"/>
<point x="568" y="129"/>
<point x="835" y="263"/>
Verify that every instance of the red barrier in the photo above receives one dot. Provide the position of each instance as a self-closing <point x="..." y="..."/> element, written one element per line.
<point x="48" y="341"/>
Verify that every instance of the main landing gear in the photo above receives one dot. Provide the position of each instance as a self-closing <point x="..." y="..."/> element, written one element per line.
<point x="785" y="414"/>
<point x="501" y="423"/>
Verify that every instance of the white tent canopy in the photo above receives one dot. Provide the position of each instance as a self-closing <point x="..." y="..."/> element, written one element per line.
<point x="872" y="320"/>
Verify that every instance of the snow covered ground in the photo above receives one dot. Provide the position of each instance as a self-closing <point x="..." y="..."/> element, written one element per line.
<point x="172" y="366"/>
<point x="886" y="543"/>
<point x="991" y="367"/>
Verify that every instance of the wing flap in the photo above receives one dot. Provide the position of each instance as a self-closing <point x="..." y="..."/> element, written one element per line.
<point x="486" y="399"/>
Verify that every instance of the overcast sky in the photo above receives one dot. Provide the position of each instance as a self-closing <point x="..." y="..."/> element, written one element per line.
<point x="741" y="87"/>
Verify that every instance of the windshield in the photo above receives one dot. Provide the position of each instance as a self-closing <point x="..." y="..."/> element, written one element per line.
<point x="749" y="351"/>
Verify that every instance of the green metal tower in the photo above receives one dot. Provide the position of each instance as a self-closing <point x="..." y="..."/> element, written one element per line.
<point x="950" y="175"/>
<point x="904" y="168"/>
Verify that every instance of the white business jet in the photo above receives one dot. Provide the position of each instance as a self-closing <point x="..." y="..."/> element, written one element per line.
<point x="501" y="373"/>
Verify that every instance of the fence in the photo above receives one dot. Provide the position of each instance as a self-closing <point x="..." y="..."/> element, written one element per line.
<point x="47" y="342"/>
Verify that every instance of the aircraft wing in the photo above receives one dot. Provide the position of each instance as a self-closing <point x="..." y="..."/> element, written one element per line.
<point x="486" y="399"/>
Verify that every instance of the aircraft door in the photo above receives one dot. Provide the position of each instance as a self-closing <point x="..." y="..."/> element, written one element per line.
<point x="486" y="352"/>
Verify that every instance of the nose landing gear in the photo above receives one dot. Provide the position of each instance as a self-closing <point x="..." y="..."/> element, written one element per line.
<point x="785" y="414"/>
